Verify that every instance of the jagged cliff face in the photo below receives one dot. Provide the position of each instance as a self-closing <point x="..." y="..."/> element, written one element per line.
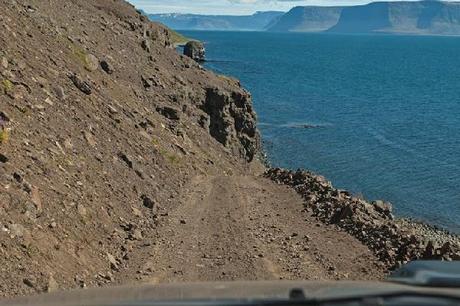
<point x="423" y="17"/>
<point x="232" y="121"/>
<point x="101" y="122"/>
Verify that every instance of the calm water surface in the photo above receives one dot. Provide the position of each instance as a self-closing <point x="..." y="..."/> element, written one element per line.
<point x="386" y="111"/>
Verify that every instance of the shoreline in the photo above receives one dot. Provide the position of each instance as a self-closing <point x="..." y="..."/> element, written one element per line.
<point x="264" y="158"/>
<point x="395" y="241"/>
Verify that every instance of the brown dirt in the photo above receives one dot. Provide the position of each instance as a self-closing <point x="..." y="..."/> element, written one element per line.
<point x="247" y="228"/>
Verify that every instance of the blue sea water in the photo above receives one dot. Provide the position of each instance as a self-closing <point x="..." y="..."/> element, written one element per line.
<point x="386" y="111"/>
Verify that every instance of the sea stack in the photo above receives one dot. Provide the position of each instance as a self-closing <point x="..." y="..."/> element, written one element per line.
<point x="195" y="50"/>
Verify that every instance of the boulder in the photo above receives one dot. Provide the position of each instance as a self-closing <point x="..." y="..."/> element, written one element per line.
<point x="59" y="92"/>
<point x="91" y="62"/>
<point x="82" y="85"/>
<point x="195" y="50"/>
<point x="52" y="285"/>
<point x="385" y="208"/>
<point x="148" y="202"/>
<point x="146" y="45"/>
<point x="3" y="118"/>
<point x="107" y="67"/>
<point x="3" y="158"/>
<point x="169" y="112"/>
<point x="113" y="262"/>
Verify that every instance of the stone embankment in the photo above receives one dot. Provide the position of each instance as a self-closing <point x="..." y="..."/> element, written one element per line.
<point x="394" y="241"/>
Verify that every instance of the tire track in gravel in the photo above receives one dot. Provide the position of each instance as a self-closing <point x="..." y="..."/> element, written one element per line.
<point x="248" y="228"/>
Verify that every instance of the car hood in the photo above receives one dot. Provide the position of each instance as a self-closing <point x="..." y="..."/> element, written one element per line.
<point x="210" y="293"/>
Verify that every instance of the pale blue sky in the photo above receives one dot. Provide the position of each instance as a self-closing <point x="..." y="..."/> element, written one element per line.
<point x="227" y="7"/>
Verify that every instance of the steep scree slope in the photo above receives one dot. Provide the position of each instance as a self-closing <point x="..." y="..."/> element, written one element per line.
<point x="101" y="124"/>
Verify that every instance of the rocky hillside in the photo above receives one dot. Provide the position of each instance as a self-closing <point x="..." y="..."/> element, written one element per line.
<point x="101" y="123"/>
<point x="256" y="22"/>
<point x="404" y="17"/>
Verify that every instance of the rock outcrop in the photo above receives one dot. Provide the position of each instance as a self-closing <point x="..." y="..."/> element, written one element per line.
<point x="232" y="121"/>
<point x="195" y="50"/>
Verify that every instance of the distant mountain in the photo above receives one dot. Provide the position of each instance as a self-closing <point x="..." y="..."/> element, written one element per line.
<point x="424" y="17"/>
<point x="257" y="22"/>
<point x="307" y="19"/>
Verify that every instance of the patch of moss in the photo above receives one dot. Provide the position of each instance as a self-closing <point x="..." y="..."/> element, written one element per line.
<point x="178" y="39"/>
<point x="81" y="55"/>
<point x="173" y="158"/>
<point x="8" y="86"/>
<point x="4" y="136"/>
<point x="155" y="142"/>
<point x="170" y="157"/>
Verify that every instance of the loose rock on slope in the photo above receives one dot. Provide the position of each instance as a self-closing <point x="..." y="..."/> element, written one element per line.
<point x="81" y="143"/>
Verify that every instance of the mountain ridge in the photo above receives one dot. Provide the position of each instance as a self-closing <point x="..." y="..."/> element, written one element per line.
<point x="390" y="17"/>
<point x="256" y="22"/>
<point x="399" y="17"/>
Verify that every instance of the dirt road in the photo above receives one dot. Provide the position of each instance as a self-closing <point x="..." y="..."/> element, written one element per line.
<point x="247" y="228"/>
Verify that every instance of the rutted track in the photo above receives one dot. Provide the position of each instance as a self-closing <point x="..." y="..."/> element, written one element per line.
<point x="247" y="228"/>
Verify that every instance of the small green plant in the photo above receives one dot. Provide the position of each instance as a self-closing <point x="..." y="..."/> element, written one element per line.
<point x="170" y="157"/>
<point x="7" y="85"/>
<point x="173" y="159"/>
<point x="81" y="55"/>
<point x="4" y="136"/>
<point x="155" y="142"/>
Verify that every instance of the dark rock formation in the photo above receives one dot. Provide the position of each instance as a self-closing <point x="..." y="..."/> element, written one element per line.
<point x="233" y="121"/>
<point x="169" y="112"/>
<point x="195" y="50"/>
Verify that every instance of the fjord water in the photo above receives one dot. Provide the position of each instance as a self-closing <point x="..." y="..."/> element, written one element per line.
<point x="384" y="111"/>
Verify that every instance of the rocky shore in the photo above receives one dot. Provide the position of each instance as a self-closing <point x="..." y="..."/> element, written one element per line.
<point x="394" y="241"/>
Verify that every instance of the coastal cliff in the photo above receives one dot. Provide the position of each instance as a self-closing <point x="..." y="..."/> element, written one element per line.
<point x="307" y="19"/>
<point x="424" y="17"/>
<point x="399" y="17"/>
